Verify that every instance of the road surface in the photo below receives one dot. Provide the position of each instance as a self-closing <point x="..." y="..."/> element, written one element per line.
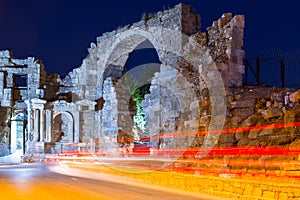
<point x="47" y="181"/>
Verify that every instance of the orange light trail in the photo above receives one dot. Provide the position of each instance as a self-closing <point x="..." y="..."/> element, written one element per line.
<point x="233" y="151"/>
<point x="212" y="164"/>
<point x="223" y="131"/>
<point x="226" y="131"/>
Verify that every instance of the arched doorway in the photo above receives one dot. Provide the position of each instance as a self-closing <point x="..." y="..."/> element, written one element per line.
<point x="124" y="92"/>
<point x="143" y="62"/>
<point x="62" y="129"/>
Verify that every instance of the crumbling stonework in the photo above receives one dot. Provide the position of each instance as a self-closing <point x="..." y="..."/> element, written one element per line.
<point x="211" y="61"/>
<point x="262" y="106"/>
<point x="30" y="69"/>
<point x="197" y="88"/>
<point x="20" y="79"/>
<point x="116" y="115"/>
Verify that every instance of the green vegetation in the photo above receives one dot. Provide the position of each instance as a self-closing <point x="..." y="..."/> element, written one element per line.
<point x="139" y="81"/>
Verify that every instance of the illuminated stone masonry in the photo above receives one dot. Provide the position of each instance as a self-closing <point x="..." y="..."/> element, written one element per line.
<point x="198" y="87"/>
<point x="20" y="79"/>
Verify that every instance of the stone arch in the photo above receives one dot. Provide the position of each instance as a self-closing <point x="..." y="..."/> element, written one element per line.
<point x="166" y="42"/>
<point x="118" y="49"/>
<point x="114" y="51"/>
<point x="62" y="127"/>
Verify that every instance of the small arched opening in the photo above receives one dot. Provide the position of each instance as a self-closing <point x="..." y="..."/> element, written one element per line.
<point x="62" y="128"/>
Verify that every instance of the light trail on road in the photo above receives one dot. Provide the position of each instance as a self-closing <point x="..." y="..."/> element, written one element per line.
<point x="245" y="161"/>
<point x="42" y="181"/>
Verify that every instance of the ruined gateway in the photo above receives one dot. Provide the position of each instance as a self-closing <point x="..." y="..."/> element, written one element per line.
<point x="197" y="87"/>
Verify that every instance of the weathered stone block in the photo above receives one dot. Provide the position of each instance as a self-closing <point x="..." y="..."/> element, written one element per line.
<point x="295" y="97"/>
<point x="243" y="142"/>
<point x="267" y="131"/>
<point x="253" y="134"/>
<point x="238" y="21"/>
<point x="250" y="121"/>
<point x="5" y="54"/>
<point x="270" y="113"/>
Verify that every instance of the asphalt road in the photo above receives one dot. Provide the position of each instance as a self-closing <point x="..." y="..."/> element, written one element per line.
<point x="45" y="181"/>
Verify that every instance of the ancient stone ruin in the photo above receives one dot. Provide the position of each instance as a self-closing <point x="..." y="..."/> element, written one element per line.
<point x="197" y="87"/>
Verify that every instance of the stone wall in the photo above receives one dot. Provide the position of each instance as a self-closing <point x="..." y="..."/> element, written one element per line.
<point x="220" y="47"/>
<point x="248" y="109"/>
<point x="225" y="40"/>
<point x="51" y="87"/>
<point x="33" y="72"/>
<point x="262" y="106"/>
<point x="5" y="115"/>
<point x="246" y="188"/>
<point x="20" y="79"/>
<point x="206" y="65"/>
<point x="117" y="118"/>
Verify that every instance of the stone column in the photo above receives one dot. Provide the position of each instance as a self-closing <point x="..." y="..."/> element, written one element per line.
<point x="38" y="106"/>
<point x="42" y="134"/>
<point x="76" y="127"/>
<point x="29" y="120"/>
<point x="36" y="125"/>
<point x="48" y="125"/>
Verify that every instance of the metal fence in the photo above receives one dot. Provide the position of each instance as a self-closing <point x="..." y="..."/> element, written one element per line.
<point x="273" y="68"/>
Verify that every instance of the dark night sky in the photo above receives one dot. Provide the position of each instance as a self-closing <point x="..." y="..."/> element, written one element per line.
<point x="58" y="32"/>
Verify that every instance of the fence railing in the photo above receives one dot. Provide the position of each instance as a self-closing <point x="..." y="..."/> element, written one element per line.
<point x="281" y="70"/>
